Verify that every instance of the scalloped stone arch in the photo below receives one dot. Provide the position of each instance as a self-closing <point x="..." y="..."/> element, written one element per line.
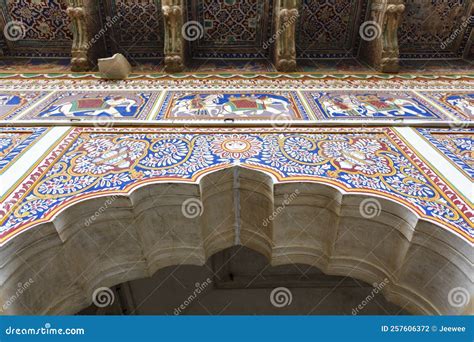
<point x="298" y="222"/>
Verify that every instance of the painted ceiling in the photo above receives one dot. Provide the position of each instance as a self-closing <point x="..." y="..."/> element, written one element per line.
<point x="240" y="28"/>
<point x="329" y="28"/>
<point x="441" y="29"/>
<point x="138" y="31"/>
<point x="45" y="27"/>
<point x="231" y="28"/>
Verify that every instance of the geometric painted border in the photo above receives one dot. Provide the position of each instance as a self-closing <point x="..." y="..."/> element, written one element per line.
<point x="34" y="98"/>
<point x="427" y="133"/>
<point x="218" y="82"/>
<point x="168" y="101"/>
<point x="251" y="75"/>
<point x="440" y="99"/>
<point x="22" y="147"/>
<point x="313" y="99"/>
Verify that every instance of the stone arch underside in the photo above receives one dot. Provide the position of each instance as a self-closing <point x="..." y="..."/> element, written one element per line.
<point x="298" y="222"/>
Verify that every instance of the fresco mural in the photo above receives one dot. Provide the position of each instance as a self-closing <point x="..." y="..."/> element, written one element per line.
<point x="116" y="105"/>
<point x="362" y="105"/>
<point x="91" y="162"/>
<point x="253" y="104"/>
<point x="213" y="105"/>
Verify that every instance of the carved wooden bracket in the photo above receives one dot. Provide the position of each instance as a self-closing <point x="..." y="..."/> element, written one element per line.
<point x="173" y="13"/>
<point x="80" y="45"/>
<point x="284" y="37"/>
<point x="380" y="35"/>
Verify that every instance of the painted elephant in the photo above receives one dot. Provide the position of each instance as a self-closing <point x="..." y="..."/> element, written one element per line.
<point x="222" y="105"/>
<point x="110" y="106"/>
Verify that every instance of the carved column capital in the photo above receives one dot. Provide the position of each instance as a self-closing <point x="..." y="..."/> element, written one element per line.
<point x="75" y="12"/>
<point x="80" y="47"/>
<point x="286" y="13"/>
<point x="173" y="13"/>
<point x="380" y="35"/>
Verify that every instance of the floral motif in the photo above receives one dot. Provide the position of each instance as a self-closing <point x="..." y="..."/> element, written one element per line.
<point x="8" y="142"/>
<point x="302" y="149"/>
<point x="113" y="161"/>
<point x="236" y="146"/>
<point x="232" y="28"/>
<point x="349" y="104"/>
<point x="43" y="20"/>
<point x="166" y="152"/>
<point x="326" y="27"/>
<point x="462" y="146"/>
<point x="105" y="155"/>
<point x="359" y="155"/>
<point x="419" y="37"/>
<point x="64" y="185"/>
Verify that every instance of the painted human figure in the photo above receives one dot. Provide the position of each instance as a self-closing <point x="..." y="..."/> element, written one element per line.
<point x="391" y="106"/>
<point x="246" y="106"/>
<point x="196" y="105"/>
<point x="370" y="106"/>
<point x="221" y="105"/>
<point x="341" y="106"/>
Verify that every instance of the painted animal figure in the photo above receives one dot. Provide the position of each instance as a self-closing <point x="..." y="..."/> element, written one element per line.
<point x="221" y="105"/>
<point x="110" y="106"/>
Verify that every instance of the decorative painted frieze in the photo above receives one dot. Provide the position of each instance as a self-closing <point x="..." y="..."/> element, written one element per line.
<point x="91" y="162"/>
<point x="108" y="102"/>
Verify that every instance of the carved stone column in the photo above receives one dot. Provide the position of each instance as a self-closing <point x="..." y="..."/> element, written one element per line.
<point x="380" y="35"/>
<point x="80" y="44"/>
<point x="3" y="40"/>
<point x="173" y="13"/>
<point x="286" y="15"/>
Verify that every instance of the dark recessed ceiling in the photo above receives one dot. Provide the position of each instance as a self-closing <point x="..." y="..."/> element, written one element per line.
<point x="239" y="28"/>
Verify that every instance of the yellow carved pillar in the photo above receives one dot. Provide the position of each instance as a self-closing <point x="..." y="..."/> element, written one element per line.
<point x="173" y="13"/>
<point x="285" y="23"/>
<point x="380" y="35"/>
<point x="80" y="45"/>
